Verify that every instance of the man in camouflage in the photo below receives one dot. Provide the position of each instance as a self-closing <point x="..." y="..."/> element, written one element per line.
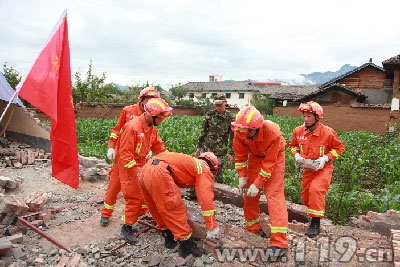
<point x="216" y="135"/>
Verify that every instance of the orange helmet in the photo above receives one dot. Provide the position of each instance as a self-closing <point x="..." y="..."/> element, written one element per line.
<point x="312" y="107"/>
<point x="149" y="92"/>
<point x="247" y="118"/>
<point x="211" y="159"/>
<point x="157" y="107"/>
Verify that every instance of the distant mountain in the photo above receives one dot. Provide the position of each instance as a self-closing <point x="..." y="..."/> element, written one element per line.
<point x="121" y="87"/>
<point x="322" y="77"/>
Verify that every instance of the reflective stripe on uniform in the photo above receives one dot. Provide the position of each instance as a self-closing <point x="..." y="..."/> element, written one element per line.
<point x="239" y="165"/>
<point x="123" y="219"/>
<point x="264" y="173"/>
<point x="276" y="229"/>
<point x="334" y="152"/>
<point x="294" y="149"/>
<point x="138" y="147"/>
<point x="316" y="212"/>
<point x="144" y="207"/>
<point x="130" y="164"/>
<point x="187" y="237"/>
<point x="208" y="212"/>
<point x="198" y="166"/>
<point x="113" y="135"/>
<point x="109" y="207"/>
<point x="249" y="223"/>
<point x="321" y="151"/>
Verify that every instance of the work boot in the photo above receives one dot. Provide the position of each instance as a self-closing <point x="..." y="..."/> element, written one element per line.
<point x="314" y="228"/>
<point x="277" y="254"/>
<point x="170" y="242"/>
<point x="188" y="247"/>
<point x="104" y="221"/>
<point x="127" y="233"/>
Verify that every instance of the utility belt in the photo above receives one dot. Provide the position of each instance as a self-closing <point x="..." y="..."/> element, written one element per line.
<point x="167" y="167"/>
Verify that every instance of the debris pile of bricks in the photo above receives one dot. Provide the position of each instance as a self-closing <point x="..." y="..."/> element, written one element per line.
<point x="11" y="207"/>
<point x="381" y="223"/>
<point x="93" y="169"/>
<point x="7" y="183"/>
<point x="14" y="154"/>
<point x="395" y="239"/>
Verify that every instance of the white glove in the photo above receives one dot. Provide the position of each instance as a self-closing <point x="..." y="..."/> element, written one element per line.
<point x="298" y="158"/>
<point x="242" y="184"/>
<point x="253" y="191"/>
<point x="321" y="161"/>
<point x="111" y="154"/>
<point x="149" y="155"/>
<point x="214" y="233"/>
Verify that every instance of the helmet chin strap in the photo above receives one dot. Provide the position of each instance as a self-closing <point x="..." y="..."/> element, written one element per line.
<point x="154" y="120"/>
<point x="312" y="125"/>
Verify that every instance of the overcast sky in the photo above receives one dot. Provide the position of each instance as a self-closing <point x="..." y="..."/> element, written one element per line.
<point x="167" y="42"/>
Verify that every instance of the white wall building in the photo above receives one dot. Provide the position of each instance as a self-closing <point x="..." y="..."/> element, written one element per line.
<point x="238" y="94"/>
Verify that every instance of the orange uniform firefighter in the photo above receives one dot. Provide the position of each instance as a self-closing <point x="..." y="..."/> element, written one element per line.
<point x="315" y="141"/>
<point x="260" y="161"/>
<point x="114" y="186"/>
<point x="138" y="137"/>
<point x="160" y="180"/>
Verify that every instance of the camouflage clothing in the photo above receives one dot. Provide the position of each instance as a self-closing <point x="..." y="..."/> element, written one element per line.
<point x="216" y="136"/>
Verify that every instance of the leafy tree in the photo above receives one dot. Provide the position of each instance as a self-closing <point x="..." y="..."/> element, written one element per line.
<point x="12" y="76"/>
<point x="93" y="88"/>
<point x="263" y="103"/>
<point x="179" y="92"/>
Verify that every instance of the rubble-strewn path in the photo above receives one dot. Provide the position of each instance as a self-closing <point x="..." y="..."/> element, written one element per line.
<point x="29" y="188"/>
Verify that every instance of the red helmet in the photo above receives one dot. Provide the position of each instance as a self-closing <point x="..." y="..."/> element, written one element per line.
<point x="149" y="92"/>
<point x="247" y="118"/>
<point x="211" y="159"/>
<point x="157" y="107"/>
<point x="312" y="107"/>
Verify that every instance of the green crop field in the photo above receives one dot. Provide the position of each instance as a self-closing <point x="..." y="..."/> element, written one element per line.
<point x="366" y="177"/>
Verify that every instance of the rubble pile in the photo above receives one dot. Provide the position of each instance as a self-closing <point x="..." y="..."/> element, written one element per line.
<point x="93" y="169"/>
<point x="17" y="155"/>
<point x="379" y="222"/>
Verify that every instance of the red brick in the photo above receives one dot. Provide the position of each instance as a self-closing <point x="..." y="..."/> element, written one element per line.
<point x="74" y="260"/>
<point x="63" y="261"/>
<point x="297" y="227"/>
<point x="17" y="238"/>
<point x="5" y="246"/>
<point x="45" y="216"/>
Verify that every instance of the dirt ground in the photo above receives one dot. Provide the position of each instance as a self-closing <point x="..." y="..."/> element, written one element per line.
<point x="78" y="228"/>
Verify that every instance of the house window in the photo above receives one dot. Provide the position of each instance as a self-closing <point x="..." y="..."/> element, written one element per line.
<point x="191" y="95"/>
<point x="241" y="95"/>
<point x="204" y="95"/>
<point x="228" y="95"/>
<point x="213" y="94"/>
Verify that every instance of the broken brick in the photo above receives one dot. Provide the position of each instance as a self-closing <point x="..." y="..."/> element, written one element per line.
<point x="5" y="246"/>
<point x="45" y="216"/>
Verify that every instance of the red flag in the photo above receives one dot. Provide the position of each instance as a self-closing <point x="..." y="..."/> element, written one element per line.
<point x="48" y="88"/>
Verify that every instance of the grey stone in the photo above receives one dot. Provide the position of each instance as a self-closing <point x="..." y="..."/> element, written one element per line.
<point x="155" y="260"/>
<point x="18" y="253"/>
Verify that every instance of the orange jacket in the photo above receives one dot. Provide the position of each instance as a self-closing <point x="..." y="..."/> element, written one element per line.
<point x="267" y="144"/>
<point x="126" y="114"/>
<point x="188" y="171"/>
<point x="324" y="141"/>
<point x="135" y="142"/>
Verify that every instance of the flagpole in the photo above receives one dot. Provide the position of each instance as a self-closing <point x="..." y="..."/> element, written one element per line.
<point x="8" y="105"/>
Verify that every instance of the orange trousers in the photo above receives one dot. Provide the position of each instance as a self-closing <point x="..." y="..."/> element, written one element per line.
<point x="275" y="193"/>
<point x="314" y="187"/>
<point x="131" y="191"/>
<point x="163" y="198"/>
